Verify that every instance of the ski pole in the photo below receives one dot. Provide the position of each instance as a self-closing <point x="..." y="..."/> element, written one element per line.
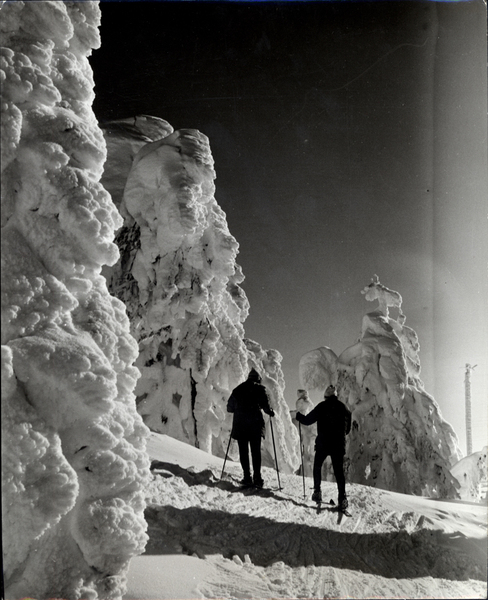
<point x="301" y="455"/>
<point x="226" y="453"/>
<point x="276" y="458"/>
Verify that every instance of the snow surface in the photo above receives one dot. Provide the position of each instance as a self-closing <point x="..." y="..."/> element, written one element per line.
<point x="209" y="539"/>
<point x="398" y="440"/>
<point x="74" y="464"/>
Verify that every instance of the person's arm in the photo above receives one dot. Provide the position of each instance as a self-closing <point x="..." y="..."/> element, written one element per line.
<point x="348" y="421"/>
<point x="231" y="404"/>
<point x="309" y="419"/>
<point x="264" y="402"/>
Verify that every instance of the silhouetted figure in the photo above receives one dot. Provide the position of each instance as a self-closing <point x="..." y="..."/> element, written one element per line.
<point x="333" y="424"/>
<point x="247" y="402"/>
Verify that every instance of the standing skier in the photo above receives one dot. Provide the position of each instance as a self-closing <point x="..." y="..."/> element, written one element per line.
<point x="333" y="424"/>
<point x="246" y="402"/>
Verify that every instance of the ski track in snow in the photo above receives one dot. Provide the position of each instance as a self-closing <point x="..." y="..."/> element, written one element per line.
<point x="276" y="544"/>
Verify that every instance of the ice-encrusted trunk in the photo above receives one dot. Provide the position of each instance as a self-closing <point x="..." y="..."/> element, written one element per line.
<point x="74" y="464"/>
<point x="398" y="440"/>
<point x="179" y="279"/>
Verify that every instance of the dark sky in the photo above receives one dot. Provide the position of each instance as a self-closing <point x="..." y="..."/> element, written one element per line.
<point x="349" y="140"/>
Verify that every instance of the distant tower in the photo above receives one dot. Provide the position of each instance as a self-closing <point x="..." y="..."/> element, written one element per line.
<point x="467" y="393"/>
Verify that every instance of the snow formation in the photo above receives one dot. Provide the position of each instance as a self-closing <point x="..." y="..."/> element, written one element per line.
<point x="179" y="279"/>
<point x="399" y="440"/>
<point x="74" y="464"/>
<point x="306" y="435"/>
<point x="471" y="473"/>
<point x="124" y="138"/>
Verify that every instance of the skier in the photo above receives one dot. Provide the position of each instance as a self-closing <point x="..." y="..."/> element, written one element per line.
<point x="304" y="404"/>
<point x="333" y="424"/>
<point x="246" y="402"/>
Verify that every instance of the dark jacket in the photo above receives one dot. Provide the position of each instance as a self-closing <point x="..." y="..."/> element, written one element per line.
<point x="333" y="423"/>
<point x="246" y="402"/>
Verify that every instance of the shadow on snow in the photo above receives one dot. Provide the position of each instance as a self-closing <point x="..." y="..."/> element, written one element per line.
<point x="422" y="553"/>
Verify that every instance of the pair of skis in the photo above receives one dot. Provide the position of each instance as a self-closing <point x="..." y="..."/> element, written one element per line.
<point x="251" y="487"/>
<point x="331" y="506"/>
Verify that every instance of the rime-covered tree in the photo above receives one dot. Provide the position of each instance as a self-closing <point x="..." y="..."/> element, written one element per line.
<point x="471" y="472"/>
<point x="74" y="465"/>
<point x="180" y="281"/>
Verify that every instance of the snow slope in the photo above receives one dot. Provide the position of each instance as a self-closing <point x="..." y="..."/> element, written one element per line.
<point x="209" y="539"/>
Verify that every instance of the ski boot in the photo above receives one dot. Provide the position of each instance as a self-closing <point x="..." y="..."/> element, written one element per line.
<point x="317" y="496"/>
<point x="246" y="481"/>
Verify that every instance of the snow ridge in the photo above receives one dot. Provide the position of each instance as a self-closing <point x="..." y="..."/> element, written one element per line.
<point x="74" y="461"/>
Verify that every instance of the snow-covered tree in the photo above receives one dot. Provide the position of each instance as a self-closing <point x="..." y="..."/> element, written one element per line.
<point x="399" y="440"/>
<point x="74" y="464"/>
<point x="307" y="435"/>
<point x="471" y="472"/>
<point x="180" y="281"/>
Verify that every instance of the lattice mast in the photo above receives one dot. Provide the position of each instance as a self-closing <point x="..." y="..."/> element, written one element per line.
<point x="467" y="394"/>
